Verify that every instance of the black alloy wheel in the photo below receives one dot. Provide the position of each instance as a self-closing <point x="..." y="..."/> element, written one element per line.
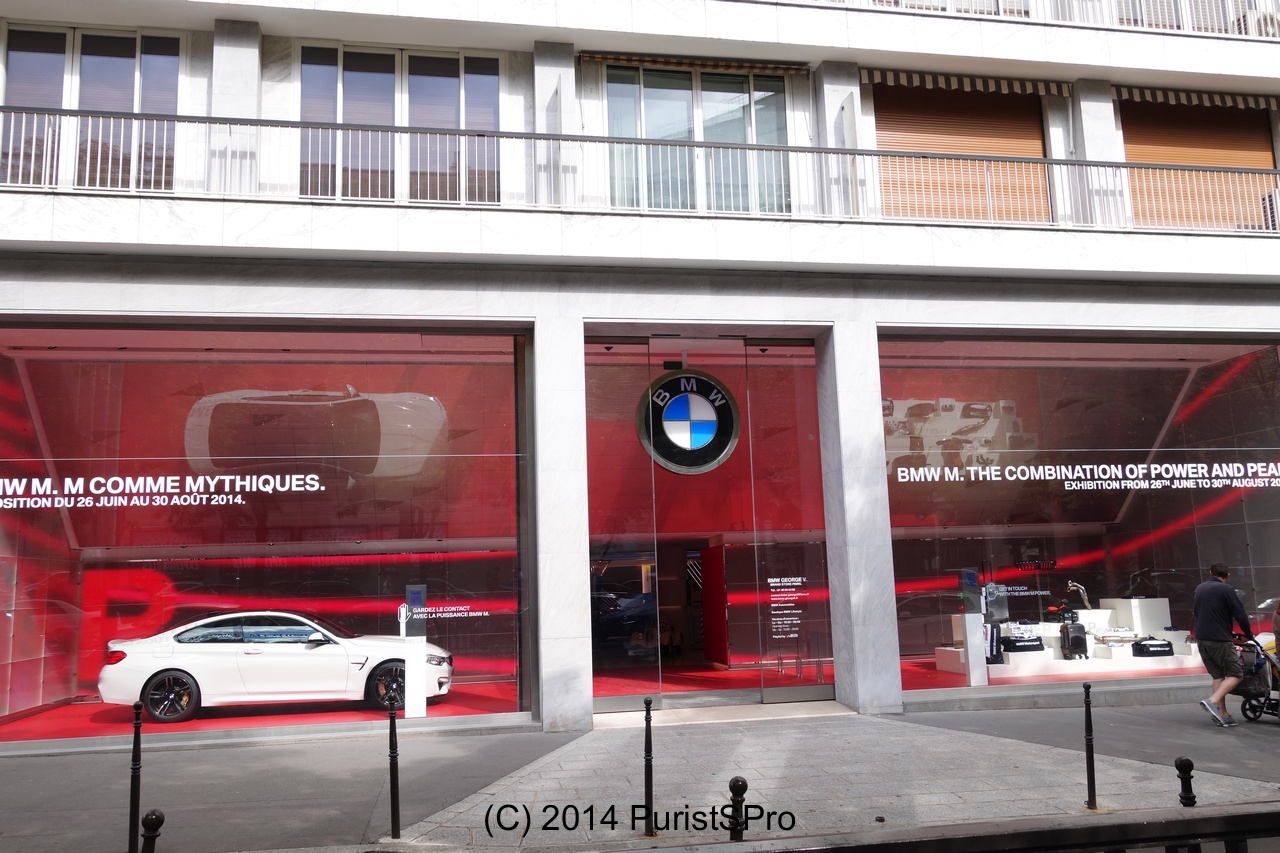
<point x="171" y="696"/>
<point x="386" y="685"/>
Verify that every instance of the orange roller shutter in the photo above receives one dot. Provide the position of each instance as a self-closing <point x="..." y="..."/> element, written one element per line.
<point x="1189" y="135"/>
<point x="940" y="121"/>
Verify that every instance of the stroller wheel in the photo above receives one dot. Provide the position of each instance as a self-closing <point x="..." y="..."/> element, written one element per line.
<point x="1251" y="709"/>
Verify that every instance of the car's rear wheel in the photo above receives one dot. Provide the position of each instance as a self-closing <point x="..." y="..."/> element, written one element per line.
<point x="386" y="685"/>
<point x="171" y="696"/>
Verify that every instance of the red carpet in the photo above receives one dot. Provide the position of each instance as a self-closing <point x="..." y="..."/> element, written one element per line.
<point x="94" y="719"/>
<point x="633" y="681"/>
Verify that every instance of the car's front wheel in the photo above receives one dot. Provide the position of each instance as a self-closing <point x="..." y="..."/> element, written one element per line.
<point x="386" y="685"/>
<point x="171" y="696"/>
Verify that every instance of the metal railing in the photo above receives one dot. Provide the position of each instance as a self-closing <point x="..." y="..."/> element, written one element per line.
<point x="64" y="151"/>
<point x="1235" y="18"/>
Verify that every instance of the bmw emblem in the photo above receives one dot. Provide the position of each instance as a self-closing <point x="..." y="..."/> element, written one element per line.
<point x="688" y="422"/>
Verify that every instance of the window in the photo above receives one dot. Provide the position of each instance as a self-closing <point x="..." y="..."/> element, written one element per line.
<point x="275" y="629"/>
<point x="971" y="124"/>
<point x="675" y="106"/>
<point x="369" y="90"/>
<point x="125" y="73"/>
<point x="222" y="631"/>
<point x="1181" y="140"/>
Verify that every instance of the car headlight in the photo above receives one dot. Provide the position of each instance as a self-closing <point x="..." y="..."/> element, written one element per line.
<point x="437" y="660"/>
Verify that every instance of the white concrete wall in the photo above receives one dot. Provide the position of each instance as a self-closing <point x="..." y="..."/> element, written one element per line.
<point x="80" y="223"/>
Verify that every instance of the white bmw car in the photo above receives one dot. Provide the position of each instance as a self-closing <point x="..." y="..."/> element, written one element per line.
<point x="262" y="656"/>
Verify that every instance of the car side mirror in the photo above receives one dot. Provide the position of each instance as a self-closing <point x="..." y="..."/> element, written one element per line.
<point x="317" y="639"/>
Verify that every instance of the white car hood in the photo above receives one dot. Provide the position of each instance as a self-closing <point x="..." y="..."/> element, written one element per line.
<point x="372" y="643"/>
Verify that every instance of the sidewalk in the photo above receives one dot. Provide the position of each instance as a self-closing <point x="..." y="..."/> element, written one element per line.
<point x="817" y="767"/>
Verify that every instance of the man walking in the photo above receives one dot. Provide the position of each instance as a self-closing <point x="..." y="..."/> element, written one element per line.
<point x="1214" y="606"/>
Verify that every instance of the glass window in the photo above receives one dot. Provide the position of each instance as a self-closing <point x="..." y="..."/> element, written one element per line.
<point x="223" y="631"/>
<point x="443" y="94"/>
<point x="730" y="111"/>
<point x="368" y="97"/>
<point x="35" y="67"/>
<point x="111" y="151"/>
<point x="204" y="475"/>
<point x="106" y="85"/>
<point x="319" y="85"/>
<point x="275" y="629"/>
<point x="1075" y="481"/>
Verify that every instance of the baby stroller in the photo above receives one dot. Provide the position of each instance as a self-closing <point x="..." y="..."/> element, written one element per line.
<point x="1260" y="689"/>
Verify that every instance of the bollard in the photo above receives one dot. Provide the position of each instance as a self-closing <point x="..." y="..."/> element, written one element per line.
<point x="393" y="756"/>
<point x="737" y="795"/>
<point x="135" y="778"/>
<point x="151" y="823"/>
<point x="648" y="768"/>
<point x="1187" y="797"/>
<point x="1092" y="801"/>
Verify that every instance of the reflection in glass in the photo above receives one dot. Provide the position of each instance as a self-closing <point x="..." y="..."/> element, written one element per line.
<point x="317" y="155"/>
<point x="1093" y="480"/>
<point x="34" y="72"/>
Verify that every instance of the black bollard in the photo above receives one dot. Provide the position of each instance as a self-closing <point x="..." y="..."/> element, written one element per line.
<point x="393" y="755"/>
<point x="648" y="768"/>
<point x="135" y="778"/>
<point x="737" y="795"/>
<point x="1092" y="801"/>
<point x="151" y="823"/>
<point x="1184" y="766"/>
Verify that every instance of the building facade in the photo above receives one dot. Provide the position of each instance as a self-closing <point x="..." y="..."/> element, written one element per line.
<point x="576" y="316"/>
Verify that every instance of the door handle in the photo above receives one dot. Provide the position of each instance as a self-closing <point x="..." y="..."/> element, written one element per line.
<point x="253" y="651"/>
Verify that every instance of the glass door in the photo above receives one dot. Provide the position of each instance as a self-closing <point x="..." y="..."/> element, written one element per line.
<point x="708" y="581"/>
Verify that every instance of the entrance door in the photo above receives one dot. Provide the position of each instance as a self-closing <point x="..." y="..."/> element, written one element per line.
<point x="708" y="578"/>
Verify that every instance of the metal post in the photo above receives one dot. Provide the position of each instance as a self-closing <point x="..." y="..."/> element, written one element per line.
<point x="1184" y="766"/>
<point x="1092" y="801"/>
<point x="648" y="767"/>
<point x="737" y="795"/>
<point x="135" y="778"/>
<point x="393" y="754"/>
<point x="151" y="823"/>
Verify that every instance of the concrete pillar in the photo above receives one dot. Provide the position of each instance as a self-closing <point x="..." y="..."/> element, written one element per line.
<point x="1097" y="135"/>
<point x="838" y="106"/>
<point x="559" y="454"/>
<point x="236" y="81"/>
<point x="864" y="623"/>
<point x="555" y="89"/>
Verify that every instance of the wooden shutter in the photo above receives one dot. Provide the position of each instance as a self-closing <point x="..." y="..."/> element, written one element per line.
<point x="950" y="121"/>
<point x="1194" y="135"/>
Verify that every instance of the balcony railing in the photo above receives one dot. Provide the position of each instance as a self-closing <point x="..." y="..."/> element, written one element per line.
<point x="1243" y="18"/>
<point x="112" y="153"/>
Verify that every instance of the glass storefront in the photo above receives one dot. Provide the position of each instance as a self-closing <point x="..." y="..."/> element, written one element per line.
<point x="708" y="572"/>
<point x="1045" y="484"/>
<point x="156" y="477"/>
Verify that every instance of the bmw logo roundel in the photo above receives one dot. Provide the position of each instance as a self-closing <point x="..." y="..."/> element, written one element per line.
<point x="688" y="422"/>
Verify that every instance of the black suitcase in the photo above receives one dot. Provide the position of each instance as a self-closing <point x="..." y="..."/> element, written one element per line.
<point x="1075" y="646"/>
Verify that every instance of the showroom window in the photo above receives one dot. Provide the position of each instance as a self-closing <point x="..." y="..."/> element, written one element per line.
<point x="370" y="89"/>
<point x="96" y="73"/>
<point x="158" y="477"/>
<point x="1036" y="485"/>
<point x="686" y="106"/>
